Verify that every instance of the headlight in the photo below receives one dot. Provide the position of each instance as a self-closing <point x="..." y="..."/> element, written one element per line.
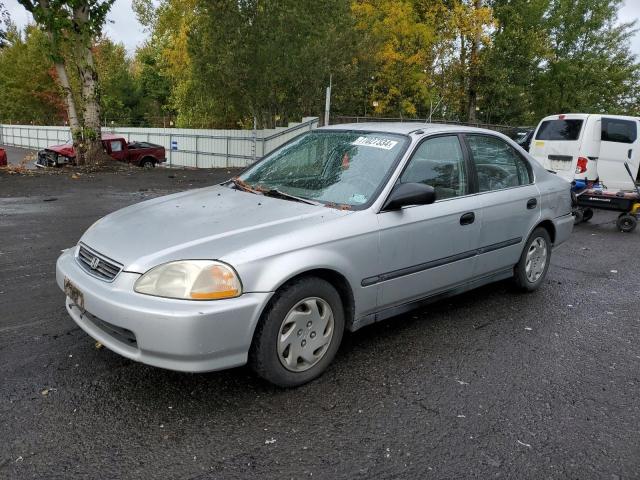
<point x="191" y="280"/>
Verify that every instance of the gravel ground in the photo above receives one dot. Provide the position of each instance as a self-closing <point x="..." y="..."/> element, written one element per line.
<point x="488" y="384"/>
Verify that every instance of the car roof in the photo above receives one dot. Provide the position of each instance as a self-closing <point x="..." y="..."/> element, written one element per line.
<point x="405" y="128"/>
<point x="111" y="136"/>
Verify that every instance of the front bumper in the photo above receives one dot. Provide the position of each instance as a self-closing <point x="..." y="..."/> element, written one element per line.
<point x="179" y="335"/>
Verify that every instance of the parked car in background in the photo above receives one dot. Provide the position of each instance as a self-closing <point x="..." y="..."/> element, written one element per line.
<point x="3" y="158"/>
<point x="524" y="138"/>
<point x="589" y="147"/>
<point x="143" y="154"/>
<point x="341" y="227"/>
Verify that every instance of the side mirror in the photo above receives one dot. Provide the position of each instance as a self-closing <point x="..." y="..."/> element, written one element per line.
<point x="405" y="194"/>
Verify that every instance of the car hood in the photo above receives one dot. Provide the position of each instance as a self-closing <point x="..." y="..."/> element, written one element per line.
<point x="64" y="149"/>
<point x="207" y="223"/>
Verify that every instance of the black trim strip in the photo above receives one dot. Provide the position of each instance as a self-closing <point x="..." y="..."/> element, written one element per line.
<point x="383" y="277"/>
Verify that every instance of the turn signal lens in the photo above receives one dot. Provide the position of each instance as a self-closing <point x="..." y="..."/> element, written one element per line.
<point x="191" y="280"/>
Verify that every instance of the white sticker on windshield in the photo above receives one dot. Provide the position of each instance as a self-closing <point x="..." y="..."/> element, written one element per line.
<point x="375" y="142"/>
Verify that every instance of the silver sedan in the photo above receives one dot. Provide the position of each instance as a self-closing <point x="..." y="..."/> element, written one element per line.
<point x="342" y="227"/>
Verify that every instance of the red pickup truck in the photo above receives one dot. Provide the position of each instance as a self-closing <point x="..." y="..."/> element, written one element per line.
<point x="144" y="154"/>
<point x="3" y="158"/>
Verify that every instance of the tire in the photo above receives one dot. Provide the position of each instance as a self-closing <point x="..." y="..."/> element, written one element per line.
<point x="587" y="214"/>
<point x="578" y="216"/>
<point x="531" y="280"/>
<point x="147" y="163"/>
<point x="626" y="223"/>
<point x="275" y="354"/>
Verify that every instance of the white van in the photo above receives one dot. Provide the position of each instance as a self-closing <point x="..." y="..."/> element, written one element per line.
<point x="589" y="147"/>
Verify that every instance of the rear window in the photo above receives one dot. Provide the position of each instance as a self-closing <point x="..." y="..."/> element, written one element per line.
<point x="559" y="130"/>
<point x="620" y="131"/>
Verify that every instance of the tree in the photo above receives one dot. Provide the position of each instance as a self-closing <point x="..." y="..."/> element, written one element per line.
<point x="265" y="59"/>
<point x="514" y="61"/>
<point x="75" y="24"/>
<point x="28" y="89"/>
<point x="590" y="67"/>
<point x="119" y="95"/>
<point x="401" y="46"/>
<point x="4" y="21"/>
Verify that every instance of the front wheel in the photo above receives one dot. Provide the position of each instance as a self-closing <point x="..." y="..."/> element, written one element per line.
<point x="298" y="334"/>
<point x="533" y="265"/>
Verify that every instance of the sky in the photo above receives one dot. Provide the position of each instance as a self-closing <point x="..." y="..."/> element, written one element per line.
<point x="123" y="26"/>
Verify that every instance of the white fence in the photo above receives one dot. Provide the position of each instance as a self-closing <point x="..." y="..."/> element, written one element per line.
<point x="185" y="147"/>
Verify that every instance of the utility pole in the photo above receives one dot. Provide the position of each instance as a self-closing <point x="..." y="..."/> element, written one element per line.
<point x="327" y="104"/>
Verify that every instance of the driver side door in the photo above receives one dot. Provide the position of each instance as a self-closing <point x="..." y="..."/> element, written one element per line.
<point x="426" y="249"/>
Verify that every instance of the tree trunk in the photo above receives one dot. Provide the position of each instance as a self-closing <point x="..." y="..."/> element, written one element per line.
<point x="474" y="74"/>
<point x="72" y="113"/>
<point x="92" y="134"/>
<point x="92" y="131"/>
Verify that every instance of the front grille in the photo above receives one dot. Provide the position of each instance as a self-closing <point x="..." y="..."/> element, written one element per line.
<point x="98" y="265"/>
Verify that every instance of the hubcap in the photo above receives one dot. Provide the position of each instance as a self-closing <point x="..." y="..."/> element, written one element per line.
<point x="536" y="259"/>
<point x="305" y="334"/>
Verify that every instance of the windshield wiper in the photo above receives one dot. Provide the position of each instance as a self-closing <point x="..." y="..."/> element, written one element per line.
<point x="287" y="196"/>
<point x="241" y="185"/>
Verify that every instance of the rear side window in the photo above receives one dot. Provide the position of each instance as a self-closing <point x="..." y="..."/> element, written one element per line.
<point x="116" y="146"/>
<point x="497" y="164"/>
<point x="559" y="130"/>
<point x="620" y="131"/>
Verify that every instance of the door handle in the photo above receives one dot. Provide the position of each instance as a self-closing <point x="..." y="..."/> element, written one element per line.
<point x="629" y="153"/>
<point x="532" y="203"/>
<point x="468" y="218"/>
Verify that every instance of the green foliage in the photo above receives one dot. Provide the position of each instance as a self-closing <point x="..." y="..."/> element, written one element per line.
<point x="28" y="91"/>
<point x="220" y="63"/>
<point x="554" y="56"/>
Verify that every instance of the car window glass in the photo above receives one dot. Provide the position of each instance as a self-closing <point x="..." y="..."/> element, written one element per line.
<point x="330" y="166"/>
<point x="617" y="130"/>
<point x="116" y="146"/>
<point x="438" y="162"/>
<point x="497" y="164"/>
<point x="559" y="130"/>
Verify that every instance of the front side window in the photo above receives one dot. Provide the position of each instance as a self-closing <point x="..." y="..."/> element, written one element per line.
<point x="619" y="131"/>
<point x="329" y="166"/>
<point x="566" y="130"/>
<point x="438" y="162"/>
<point x="116" y="146"/>
<point x="497" y="164"/>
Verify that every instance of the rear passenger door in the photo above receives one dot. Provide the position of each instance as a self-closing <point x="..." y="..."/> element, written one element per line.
<point x="508" y="198"/>
<point x="619" y="144"/>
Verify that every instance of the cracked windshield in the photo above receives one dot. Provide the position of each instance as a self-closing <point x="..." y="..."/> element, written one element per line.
<point x="332" y="167"/>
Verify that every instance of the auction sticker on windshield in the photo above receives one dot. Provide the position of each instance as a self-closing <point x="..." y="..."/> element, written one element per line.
<point x="375" y="142"/>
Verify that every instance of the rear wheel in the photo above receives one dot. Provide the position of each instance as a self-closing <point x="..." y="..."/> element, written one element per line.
<point x="147" y="163"/>
<point x="587" y="214"/>
<point x="533" y="265"/>
<point x="578" y="216"/>
<point x="626" y="223"/>
<point x="298" y="334"/>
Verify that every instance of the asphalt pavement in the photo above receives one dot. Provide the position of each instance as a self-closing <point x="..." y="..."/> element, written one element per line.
<point x="20" y="156"/>
<point x="489" y="384"/>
